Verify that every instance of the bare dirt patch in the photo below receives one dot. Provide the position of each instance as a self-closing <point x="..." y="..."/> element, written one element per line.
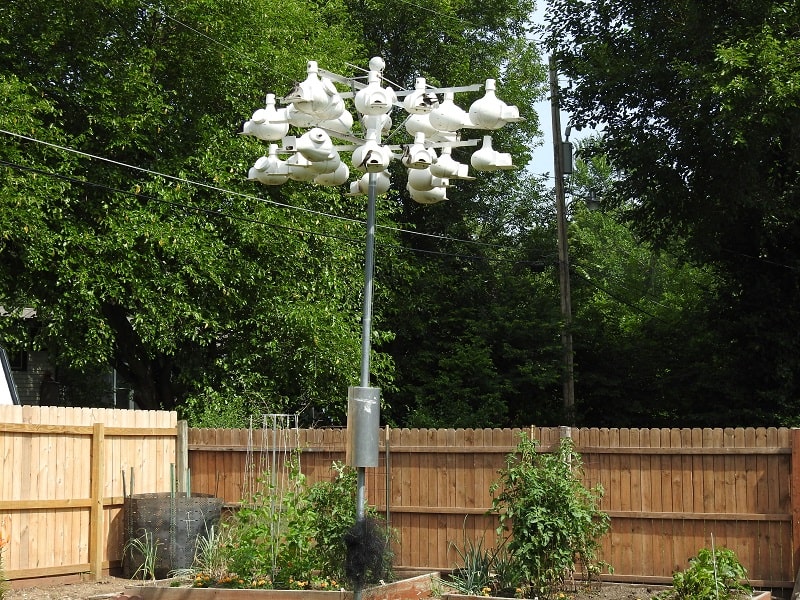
<point x="110" y="587"/>
<point x="618" y="591"/>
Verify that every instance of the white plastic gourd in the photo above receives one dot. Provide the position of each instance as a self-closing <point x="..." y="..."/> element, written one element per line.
<point x="336" y="177"/>
<point x="328" y="165"/>
<point x="420" y="123"/>
<point x="315" y="144"/>
<point x="447" y="166"/>
<point x="432" y="196"/>
<point x="315" y="96"/>
<point x="299" y="168"/>
<point x="448" y="116"/>
<point x="371" y="156"/>
<point x="423" y="180"/>
<point x="269" y="170"/>
<point x="489" y="159"/>
<point x="421" y="101"/>
<point x="418" y="156"/>
<point x="489" y="112"/>
<point x="268" y="123"/>
<point x="374" y="99"/>
<point x="361" y="187"/>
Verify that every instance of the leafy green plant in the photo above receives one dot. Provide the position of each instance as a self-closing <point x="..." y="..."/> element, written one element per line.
<point x="289" y="538"/>
<point x="509" y="575"/>
<point x="146" y="547"/>
<point x="474" y="575"/>
<point x="711" y="575"/>
<point x="3" y="581"/>
<point x="553" y="521"/>
<point x="485" y="571"/>
<point x="5" y="536"/>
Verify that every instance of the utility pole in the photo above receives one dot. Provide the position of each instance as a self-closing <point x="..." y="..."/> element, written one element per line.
<point x="563" y="249"/>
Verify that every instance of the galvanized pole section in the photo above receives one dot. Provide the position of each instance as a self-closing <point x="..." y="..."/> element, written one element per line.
<point x="563" y="251"/>
<point x="366" y="332"/>
<point x="369" y="268"/>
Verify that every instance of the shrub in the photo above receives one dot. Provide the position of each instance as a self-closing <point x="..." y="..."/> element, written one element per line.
<point x="289" y="538"/>
<point x="711" y="575"/>
<point x="553" y="520"/>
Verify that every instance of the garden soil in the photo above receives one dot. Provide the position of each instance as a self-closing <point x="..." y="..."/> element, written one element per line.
<point x="115" y="588"/>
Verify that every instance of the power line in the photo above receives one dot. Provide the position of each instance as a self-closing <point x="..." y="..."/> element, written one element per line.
<point x="241" y="194"/>
<point x="222" y="214"/>
<point x="176" y="178"/>
<point x="179" y="205"/>
<point x="619" y="299"/>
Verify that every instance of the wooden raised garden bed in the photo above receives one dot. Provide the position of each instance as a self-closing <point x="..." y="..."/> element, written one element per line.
<point x="413" y="588"/>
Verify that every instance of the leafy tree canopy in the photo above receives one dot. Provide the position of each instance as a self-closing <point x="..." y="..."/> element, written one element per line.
<point x="191" y="292"/>
<point x="700" y="109"/>
<point x="205" y="292"/>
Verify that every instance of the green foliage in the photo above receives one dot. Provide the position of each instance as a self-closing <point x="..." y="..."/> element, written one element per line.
<point x="224" y="305"/>
<point x="700" y="111"/>
<point x="5" y="536"/>
<point x="473" y="575"/>
<point x="551" y="518"/>
<point x="643" y="320"/>
<point x="210" y="558"/>
<point x="477" y="329"/>
<point x="712" y="575"/>
<point x="3" y="580"/>
<point x="186" y="291"/>
<point x="288" y="537"/>
<point x="486" y="571"/>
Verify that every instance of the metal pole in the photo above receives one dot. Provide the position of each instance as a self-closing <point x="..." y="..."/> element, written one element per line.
<point x="563" y="250"/>
<point x="369" y="268"/>
<point x="366" y="331"/>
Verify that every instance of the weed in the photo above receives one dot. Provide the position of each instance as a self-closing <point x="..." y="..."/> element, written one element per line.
<point x="145" y="546"/>
<point x="711" y="575"/>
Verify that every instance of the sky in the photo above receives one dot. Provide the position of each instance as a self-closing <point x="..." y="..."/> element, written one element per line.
<point x="542" y="155"/>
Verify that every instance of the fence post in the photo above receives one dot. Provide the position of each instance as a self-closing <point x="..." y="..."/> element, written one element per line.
<point x="182" y="457"/>
<point x="96" y="529"/>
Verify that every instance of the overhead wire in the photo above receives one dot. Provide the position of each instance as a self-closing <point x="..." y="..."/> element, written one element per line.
<point x="545" y="175"/>
<point x="239" y="194"/>
<point x="174" y="177"/>
<point x="219" y="213"/>
<point x="227" y="47"/>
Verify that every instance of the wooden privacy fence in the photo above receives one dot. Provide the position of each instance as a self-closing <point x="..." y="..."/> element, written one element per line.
<point x="669" y="492"/>
<point x="61" y="483"/>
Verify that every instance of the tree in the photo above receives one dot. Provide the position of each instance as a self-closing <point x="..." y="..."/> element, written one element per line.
<point x="221" y="298"/>
<point x="194" y="294"/>
<point x="477" y="330"/>
<point x="701" y="115"/>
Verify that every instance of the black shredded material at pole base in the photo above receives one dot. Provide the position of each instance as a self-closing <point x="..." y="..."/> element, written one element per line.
<point x="366" y="550"/>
